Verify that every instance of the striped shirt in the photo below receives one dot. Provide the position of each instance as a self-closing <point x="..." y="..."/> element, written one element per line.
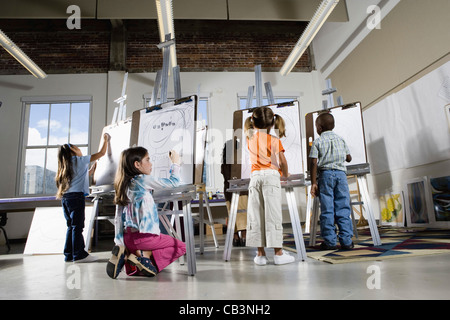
<point x="330" y="150"/>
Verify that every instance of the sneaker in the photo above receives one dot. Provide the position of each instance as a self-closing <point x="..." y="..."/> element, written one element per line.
<point x="116" y="262"/>
<point x="143" y="264"/>
<point x="283" y="259"/>
<point x="261" y="260"/>
<point x="89" y="258"/>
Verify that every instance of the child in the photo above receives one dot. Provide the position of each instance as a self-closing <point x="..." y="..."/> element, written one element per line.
<point x="264" y="226"/>
<point x="137" y="222"/>
<point x="72" y="181"/>
<point x="329" y="182"/>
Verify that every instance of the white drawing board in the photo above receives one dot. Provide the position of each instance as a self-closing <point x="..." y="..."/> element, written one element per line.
<point x="107" y="165"/>
<point x="292" y="143"/>
<point x="349" y="125"/>
<point x="48" y="229"/>
<point x="169" y="126"/>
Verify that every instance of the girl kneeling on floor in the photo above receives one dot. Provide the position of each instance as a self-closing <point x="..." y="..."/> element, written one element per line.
<point x="136" y="220"/>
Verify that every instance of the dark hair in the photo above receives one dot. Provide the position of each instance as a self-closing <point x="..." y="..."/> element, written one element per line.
<point x="127" y="171"/>
<point x="64" y="174"/>
<point x="326" y="120"/>
<point x="264" y="118"/>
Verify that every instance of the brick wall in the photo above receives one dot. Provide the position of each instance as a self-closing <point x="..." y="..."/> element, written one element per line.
<point x="201" y="45"/>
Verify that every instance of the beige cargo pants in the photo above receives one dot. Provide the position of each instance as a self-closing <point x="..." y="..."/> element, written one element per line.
<point x="264" y="216"/>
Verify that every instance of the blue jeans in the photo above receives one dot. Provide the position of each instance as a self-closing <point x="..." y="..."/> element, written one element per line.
<point x="73" y="204"/>
<point x="335" y="207"/>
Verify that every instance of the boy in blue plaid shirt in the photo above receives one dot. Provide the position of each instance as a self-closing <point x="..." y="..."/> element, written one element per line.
<point x="329" y="182"/>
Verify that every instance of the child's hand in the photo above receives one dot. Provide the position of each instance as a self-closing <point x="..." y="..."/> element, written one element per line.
<point x="106" y="137"/>
<point x="314" y="190"/>
<point x="174" y="157"/>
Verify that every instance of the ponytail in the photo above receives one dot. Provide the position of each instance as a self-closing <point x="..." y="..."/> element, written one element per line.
<point x="280" y="126"/>
<point x="64" y="174"/>
<point x="249" y="127"/>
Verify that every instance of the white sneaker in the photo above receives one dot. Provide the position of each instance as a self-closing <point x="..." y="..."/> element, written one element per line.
<point x="283" y="259"/>
<point x="89" y="258"/>
<point x="261" y="260"/>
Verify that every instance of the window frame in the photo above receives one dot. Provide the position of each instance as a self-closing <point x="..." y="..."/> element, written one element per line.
<point x="25" y="118"/>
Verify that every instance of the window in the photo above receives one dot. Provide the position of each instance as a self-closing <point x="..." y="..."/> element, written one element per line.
<point x="48" y="125"/>
<point x="243" y="101"/>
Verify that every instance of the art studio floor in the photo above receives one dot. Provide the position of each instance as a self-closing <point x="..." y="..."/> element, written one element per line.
<point x="49" y="277"/>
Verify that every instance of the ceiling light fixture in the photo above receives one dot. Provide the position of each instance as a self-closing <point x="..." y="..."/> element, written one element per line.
<point x="319" y="18"/>
<point x="166" y="25"/>
<point x="20" y="56"/>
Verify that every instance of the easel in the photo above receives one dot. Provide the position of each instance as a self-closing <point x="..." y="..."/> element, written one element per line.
<point x="240" y="185"/>
<point x="106" y="193"/>
<point x="162" y="77"/>
<point x="185" y="194"/>
<point x="312" y="211"/>
<point x="360" y="171"/>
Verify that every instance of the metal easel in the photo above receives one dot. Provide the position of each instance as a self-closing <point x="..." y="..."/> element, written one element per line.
<point x="239" y="185"/>
<point x="105" y="194"/>
<point x="162" y="79"/>
<point x="360" y="171"/>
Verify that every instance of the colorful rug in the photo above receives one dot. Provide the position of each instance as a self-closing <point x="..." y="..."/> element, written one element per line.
<point x="396" y="243"/>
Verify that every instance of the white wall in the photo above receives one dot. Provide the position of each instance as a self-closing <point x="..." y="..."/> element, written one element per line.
<point x="12" y="89"/>
<point x="222" y="89"/>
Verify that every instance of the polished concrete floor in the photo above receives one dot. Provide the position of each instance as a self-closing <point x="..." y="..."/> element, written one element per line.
<point x="49" y="277"/>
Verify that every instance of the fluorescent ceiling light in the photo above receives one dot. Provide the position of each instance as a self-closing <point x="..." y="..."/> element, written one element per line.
<point x="165" y="25"/>
<point x="20" y="56"/>
<point x="319" y="18"/>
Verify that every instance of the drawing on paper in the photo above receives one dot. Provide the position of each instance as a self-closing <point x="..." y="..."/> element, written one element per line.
<point x="171" y="128"/>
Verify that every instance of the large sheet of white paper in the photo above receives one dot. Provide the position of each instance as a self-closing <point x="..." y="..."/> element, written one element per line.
<point x="292" y="143"/>
<point x="48" y="229"/>
<point x="349" y="126"/>
<point x="107" y="165"/>
<point x="171" y="128"/>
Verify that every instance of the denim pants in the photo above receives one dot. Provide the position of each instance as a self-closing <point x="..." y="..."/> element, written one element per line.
<point x="73" y="204"/>
<point x="335" y="207"/>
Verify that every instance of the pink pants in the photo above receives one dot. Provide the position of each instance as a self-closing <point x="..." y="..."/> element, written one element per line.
<point x="165" y="249"/>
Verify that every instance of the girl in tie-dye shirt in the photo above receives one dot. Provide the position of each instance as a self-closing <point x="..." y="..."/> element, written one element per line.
<point x="136" y="220"/>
